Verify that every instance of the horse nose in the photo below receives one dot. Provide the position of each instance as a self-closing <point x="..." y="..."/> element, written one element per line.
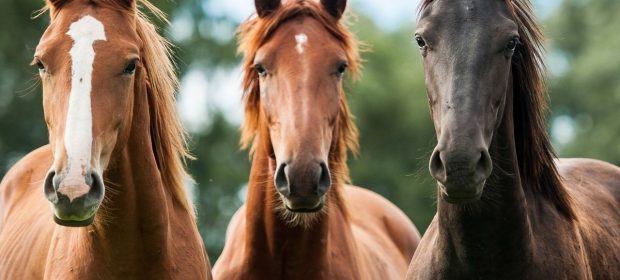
<point x="316" y="176"/>
<point x="75" y="200"/>
<point x="437" y="168"/>
<point x="303" y="185"/>
<point x="281" y="180"/>
<point x="325" y="179"/>
<point x="465" y="167"/>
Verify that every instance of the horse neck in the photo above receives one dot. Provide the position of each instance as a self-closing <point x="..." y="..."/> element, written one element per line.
<point x="496" y="229"/>
<point x="274" y="247"/>
<point x="139" y="202"/>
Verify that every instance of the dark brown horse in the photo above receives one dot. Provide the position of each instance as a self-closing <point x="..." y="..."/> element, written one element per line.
<point x="507" y="209"/>
<point x="301" y="220"/>
<point x="113" y="172"/>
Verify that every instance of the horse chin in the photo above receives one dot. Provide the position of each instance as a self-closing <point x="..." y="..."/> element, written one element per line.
<point x="314" y="209"/>
<point x="301" y="217"/>
<point x="76" y="218"/>
<point x="75" y="223"/>
<point x="462" y="197"/>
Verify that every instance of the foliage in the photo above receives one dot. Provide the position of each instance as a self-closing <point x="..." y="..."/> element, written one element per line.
<point x="397" y="136"/>
<point x="22" y="127"/>
<point x="585" y="33"/>
<point x="221" y="173"/>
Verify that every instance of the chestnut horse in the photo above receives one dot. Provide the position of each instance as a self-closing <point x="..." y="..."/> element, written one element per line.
<point x="113" y="172"/>
<point x="301" y="220"/>
<point x="507" y="208"/>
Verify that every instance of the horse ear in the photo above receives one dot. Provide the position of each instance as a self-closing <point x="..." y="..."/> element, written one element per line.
<point x="266" y="7"/>
<point x="335" y="7"/>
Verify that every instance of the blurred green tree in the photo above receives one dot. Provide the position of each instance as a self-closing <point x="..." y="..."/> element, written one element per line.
<point x="586" y="82"/>
<point x="22" y="127"/>
<point x="396" y="133"/>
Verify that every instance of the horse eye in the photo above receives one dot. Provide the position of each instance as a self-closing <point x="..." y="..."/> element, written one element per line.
<point x="260" y="69"/>
<point x="130" y="69"/>
<point x="40" y="66"/>
<point x="512" y="44"/>
<point x="342" y="68"/>
<point x="418" y="39"/>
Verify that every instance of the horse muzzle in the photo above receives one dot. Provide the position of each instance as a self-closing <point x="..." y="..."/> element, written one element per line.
<point x="461" y="174"/>
<point x="75" y="199"/>
<point x="302" y="187"/>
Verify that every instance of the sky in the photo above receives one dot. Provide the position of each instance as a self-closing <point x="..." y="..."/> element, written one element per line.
<point x="222" y="86"/>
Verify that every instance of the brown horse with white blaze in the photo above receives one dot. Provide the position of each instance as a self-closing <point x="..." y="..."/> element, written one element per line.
<point x="113" y="172"/>
<point x="301" y="221"/>
<point x="507" y="208"/>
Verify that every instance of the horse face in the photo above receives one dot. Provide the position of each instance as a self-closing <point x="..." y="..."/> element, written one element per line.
<point x="467" y="47"/>
<point x="87" y="59"/>
<point x="301" y="69"/>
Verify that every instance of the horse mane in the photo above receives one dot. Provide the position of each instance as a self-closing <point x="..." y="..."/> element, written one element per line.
<point x="534" y="150"/>
<point x="168" y="138"/>
<point x="255" y="32"/>
<point x="535" y="154"/>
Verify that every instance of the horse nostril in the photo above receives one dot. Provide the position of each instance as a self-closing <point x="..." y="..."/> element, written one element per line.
<point x="325" y="180"/>
<point x="484" y="165"/>
<point x="97" y="188"/>
<point x="437" y="168"/>
<point x="48" y="187"/>
<point x="89" y="179"/>
<point x="281" y="180"/>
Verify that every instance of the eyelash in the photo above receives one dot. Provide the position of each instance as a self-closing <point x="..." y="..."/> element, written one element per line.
<point x="40" y="66"/>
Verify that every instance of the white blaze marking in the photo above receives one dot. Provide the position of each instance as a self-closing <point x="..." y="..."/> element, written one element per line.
<point x="302" y="40"/>
<point x="78" y="129"/>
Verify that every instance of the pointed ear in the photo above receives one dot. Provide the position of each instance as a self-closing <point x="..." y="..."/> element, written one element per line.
<point x="266" y="7"/>
<point x="335" y="7"/>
